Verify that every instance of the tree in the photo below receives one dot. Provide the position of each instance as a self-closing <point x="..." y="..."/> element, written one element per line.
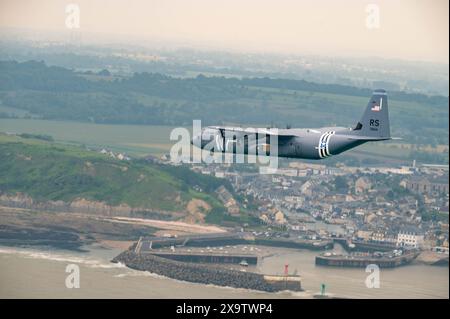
<point x="340" y="183"/>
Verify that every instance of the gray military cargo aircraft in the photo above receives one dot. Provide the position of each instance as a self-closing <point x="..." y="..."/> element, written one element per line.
<point x="317" y="143"/>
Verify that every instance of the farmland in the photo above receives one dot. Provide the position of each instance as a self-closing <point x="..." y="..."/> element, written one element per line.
<point x="135" y="113"/>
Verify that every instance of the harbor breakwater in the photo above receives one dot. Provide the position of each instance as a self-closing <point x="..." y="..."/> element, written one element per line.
<point x="364" y="261"/>
<point x="223" y="239"/>
<point x="207" y="274"/>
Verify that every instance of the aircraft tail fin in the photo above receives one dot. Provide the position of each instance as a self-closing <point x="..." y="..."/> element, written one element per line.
<point x="374" y="123"/>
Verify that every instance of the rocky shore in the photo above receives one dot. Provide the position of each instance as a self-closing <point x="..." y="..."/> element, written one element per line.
<point x="85" y="206"/>
<point x="432" y="258"/>
<point x="198" y="273"/>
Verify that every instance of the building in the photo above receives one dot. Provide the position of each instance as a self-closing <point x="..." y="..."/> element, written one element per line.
<point x="383" y="237"/>
<point x="362" y="185"/>
<point x="422" y="185"/>
<point x="410" y="238"/>
<point x="264" y="219"/>
<point x="364" y="234"/>
<point x="228" y="201"/>
<point x="279" y="218"/>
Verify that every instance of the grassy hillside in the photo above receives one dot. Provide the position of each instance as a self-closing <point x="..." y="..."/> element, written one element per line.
<point x="51" y="171"/>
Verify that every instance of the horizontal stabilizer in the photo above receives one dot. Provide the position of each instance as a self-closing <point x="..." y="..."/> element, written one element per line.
<point x="367" y="138"/>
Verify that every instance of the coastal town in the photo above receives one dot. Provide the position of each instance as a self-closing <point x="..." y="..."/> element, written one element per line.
<point x="373" y="208"/>
<point x="404" y="206"/>
<point x="381" y="216"/>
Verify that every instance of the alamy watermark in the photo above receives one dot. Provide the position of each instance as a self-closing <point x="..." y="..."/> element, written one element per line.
<point x="72" y="16"/>
<point x="73" y="279"/>
<point x="373" y="16"/>
<point x="373" y="279"/>
<point x="226" y="145"/>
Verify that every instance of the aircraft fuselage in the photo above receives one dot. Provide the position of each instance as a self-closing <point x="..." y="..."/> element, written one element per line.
<point x="317" y="143"/>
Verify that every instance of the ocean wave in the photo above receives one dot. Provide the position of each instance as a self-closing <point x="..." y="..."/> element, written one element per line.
<point x="138" y="273"/>
<point x="61" y="257"/>
<point x="104" y="264"/>
<point x="296" y="294"/>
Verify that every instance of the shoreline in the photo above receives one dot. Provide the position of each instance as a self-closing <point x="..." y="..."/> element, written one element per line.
<point x="98" y="260"/>
<point x="94" y="262"/>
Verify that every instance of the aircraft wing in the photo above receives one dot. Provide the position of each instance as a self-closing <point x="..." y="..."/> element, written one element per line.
<point x="283" y="135"/>
<point x="368" y="138"/>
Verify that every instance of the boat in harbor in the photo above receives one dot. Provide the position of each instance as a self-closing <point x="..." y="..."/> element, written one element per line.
<point x="244" y="263"/>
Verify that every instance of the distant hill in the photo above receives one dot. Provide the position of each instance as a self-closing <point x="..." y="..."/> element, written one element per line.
<point x="47" y="171"/>
<point x="152" y="98"/>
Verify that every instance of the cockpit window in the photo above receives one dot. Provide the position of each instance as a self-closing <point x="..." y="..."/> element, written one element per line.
<point x="358" y="126"/>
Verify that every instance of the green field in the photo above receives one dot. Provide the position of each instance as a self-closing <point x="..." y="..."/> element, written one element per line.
<point x="133" y="139"/>
<point x="156" y="99"/>
<point x="140" y="140"/>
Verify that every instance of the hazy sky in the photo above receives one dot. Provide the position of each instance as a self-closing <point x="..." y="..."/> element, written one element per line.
<point x="411" y="29"/>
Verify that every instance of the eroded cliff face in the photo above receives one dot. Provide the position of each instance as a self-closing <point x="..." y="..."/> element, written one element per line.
<point x="196" y="211"/>
<point x="85" y="206"/>
<point x="95" y="207"/>
<point x="18" y="200"/>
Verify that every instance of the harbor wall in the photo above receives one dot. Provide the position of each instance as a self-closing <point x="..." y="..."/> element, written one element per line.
<point x="208" y="258"/>
<point x="324" y="245"/>
<point x="345" y="261"/>
<point x="201" y="273"/>
<point x="364" y="246"/>
<point x="235" y="239"/>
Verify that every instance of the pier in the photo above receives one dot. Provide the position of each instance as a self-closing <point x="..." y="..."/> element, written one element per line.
<point x="228" y="239"/>
<point x="208" y="257"/>
<point x="364" y="261"/>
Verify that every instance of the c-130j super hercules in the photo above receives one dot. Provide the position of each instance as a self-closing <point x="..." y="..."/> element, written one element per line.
<point x="315" y="143"/>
